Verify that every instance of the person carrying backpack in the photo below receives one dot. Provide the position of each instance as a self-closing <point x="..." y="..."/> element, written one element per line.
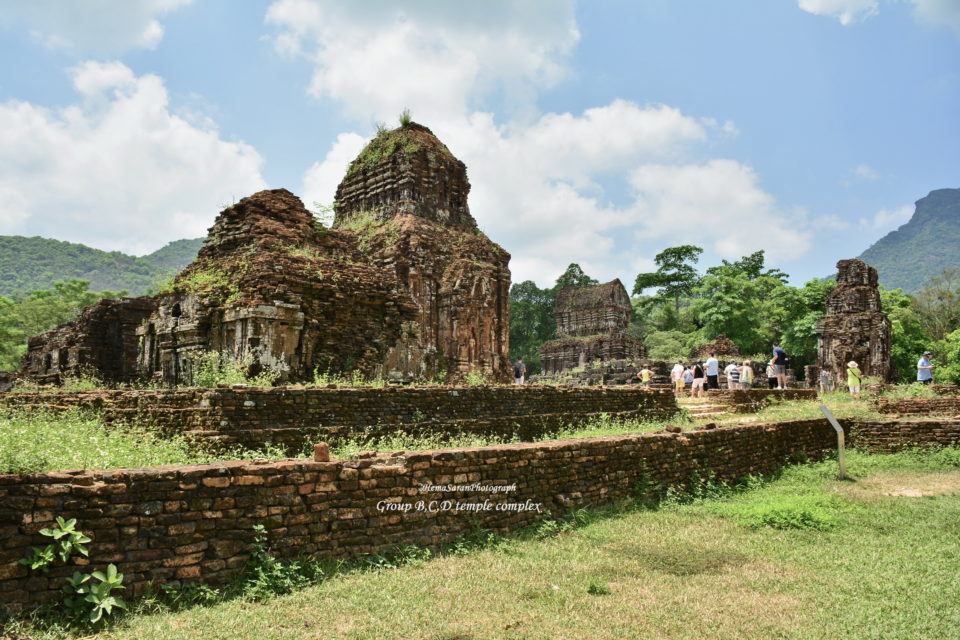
<point x="519" y="371"/>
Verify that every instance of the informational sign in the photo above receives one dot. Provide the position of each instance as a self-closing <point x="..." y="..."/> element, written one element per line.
<point x="836" y="425"/>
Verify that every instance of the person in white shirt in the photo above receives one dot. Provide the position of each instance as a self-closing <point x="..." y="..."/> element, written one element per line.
<point x="676" y="374"/>
<point x="712" y="367"/>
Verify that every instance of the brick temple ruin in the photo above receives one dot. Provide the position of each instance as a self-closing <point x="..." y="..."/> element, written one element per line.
<point x="403" y="286"/>
<point x="722" y="347"/>
<point x="854" y="327"/>
<point x="591" y="326"/>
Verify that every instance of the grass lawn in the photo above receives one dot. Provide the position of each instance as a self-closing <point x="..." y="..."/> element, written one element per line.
<point x="802" y="556"/>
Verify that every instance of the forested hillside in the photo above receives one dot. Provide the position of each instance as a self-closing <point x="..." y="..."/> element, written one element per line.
<point x="34" y="264"/>
<point x="921" y="249"/>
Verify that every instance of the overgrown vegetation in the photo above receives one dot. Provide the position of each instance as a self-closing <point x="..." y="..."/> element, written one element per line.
<point x="32" y="442"/>
<point x="384" y="144"/>
<point x="213" y="368"/>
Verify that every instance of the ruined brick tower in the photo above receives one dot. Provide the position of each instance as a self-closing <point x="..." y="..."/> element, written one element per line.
<point x="407" y="183"/>
<point x="854" y="327"/>
<point x="403" y="286"/>
<point x="591" y="325"/>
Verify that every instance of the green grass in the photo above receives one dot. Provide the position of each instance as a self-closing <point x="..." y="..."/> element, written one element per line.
<point x="32" y="442"/>
<point x="695" y="567"/>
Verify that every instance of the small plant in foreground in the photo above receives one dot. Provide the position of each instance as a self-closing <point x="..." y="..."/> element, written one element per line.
<point x="268" y="576"/>
<point x="66" y="540"/>
<point x="597" y="588"/>
<point x="476" y="379"/>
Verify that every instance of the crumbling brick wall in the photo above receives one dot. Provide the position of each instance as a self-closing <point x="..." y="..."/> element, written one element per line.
<point x="101" y="341"/>
<point x="195" y="523"/>
<point x="919" y="406"/>
<point x="292" y="418"/>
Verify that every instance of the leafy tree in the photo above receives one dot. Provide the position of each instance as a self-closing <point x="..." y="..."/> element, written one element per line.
<point x="742" y="300"/>
<point x="667" y="345"/>
<point x="675" y="275"/>
<point x="573" y="277"/>
<point x="532" y="320"/>
<point x="907" y="337"/>
<point x="801" y="309"/>
<point x="25" y="316"/>
<point x="938" y="304"/>
<point x="948" y="359"/>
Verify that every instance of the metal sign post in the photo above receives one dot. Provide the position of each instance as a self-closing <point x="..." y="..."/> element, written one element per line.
<point x="839" y="430"/>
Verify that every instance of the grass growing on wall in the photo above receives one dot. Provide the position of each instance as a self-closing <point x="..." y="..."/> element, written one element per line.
<point x="800" y="556"/>
<point x="32" y="442"/>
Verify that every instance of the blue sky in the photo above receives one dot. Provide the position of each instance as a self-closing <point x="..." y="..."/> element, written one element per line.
<point x="594" y="132"/>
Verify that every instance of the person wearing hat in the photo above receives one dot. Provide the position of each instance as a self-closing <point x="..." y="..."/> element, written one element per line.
<point x="925" y="369"/>
<point x="854" y="378"/>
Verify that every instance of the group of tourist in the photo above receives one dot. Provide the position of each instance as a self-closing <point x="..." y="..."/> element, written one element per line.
<point x="855" y="376"/>
<point x="706" y="375"/>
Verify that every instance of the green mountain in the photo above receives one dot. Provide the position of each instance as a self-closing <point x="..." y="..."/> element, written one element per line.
<point x="922" y="248"/>
<point x="31" y="264"/>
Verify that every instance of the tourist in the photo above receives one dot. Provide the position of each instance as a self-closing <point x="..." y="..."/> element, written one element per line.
<point x="854" y="378"/>
<point x="519" y="371"/>
<point x="746" y="375"/>
<point x="732" y="375"/>
<point x="925" y="369"/>
<point x="826" y="381"/>
<point x="699" y="379"/>
<point x="646" y="376"/>
<point x="688" y="375"/>
<point x="713" y="372"/>
<point x="780" y="366"/>
<point x="676" y="375"/>
<point x="771" y="375"/>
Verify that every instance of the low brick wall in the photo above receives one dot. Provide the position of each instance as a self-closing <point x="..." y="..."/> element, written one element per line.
<point x="919" y="406"/>
<point x="751" y="400"/>
<point x="292" y="417"/>
<point x="188" y="523"/>
<point x="897" y="435"/>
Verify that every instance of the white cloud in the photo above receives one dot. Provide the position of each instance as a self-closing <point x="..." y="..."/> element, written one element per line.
<point x="887" y="219"/>
<point x="846" y="11"/>
<point x="866" y="172"/>
<point x="539" y="181"/>
<point x="119" y="170"/>
<point x="95" y="26"/>
<point x="438" y="59"/>
<point x="938" y="13"/>
<point x="718" y="205"/>
<point x="829" y="222"/>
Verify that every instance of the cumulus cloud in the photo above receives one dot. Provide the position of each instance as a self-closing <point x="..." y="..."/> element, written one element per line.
<point x="438" y="59"/>
<point x="117" y="170"/>
<point x="845" y="11"/>
<point x="95" y="26"/>
<point x="887" y="219"/>
<point x="540" y="180"/>
<point x="939" y="13"/>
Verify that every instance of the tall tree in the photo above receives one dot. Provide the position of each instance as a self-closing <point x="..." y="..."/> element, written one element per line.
<point x="573" y="277"/>
<point x="938" y="303"/>
<point x="675" y="275"/>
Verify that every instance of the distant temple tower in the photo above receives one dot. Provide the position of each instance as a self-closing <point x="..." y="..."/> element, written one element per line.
<point x="591" y="325"/>
<point x="854" y="327"/>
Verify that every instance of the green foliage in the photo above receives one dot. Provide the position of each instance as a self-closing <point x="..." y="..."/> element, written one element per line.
<point x="787" y="512"/>
<point x="86" y="601"/>
<point x="35" y="264"/>
<point x="385" y="144"/>
<point x="532" y="320"/>
<point x="32" y="442"/>
<point x="598" y="588"/>
<point x="908" y="339"/>
<point x="801" y="309"/>
<point x="667" y="345"/>
<point x="675" y="275"/>
<point x="25" y="316"/>
<point x="405" y="117"/>
<point x="948" y="365"/>
<point x="741" y="299"/>
<point x="917" y="251"/>
<point x="212" y="368"/>
<point x="476" y="379"/>
<point x="266" y="576"/>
